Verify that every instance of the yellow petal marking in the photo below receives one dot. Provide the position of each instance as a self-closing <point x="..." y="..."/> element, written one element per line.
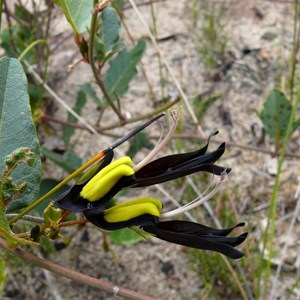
<point x="131" y="209"/>
<point x="103" y="181"/>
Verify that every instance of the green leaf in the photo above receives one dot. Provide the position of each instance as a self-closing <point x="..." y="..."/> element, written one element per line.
<point x="109" y="31"/>
<point x="276" y="114"/>
<point x="17" y="129"/>
<point x="77" y="12"/>
<point x="69" y="161"/>
<point x="139" y="141"/>
<point x="125" y="236"/>
<point x="69" y="131"/>
<point x="89" y="91"/>
<point x="122" y="69"/>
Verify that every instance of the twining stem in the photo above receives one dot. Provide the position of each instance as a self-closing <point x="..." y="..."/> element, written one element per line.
<point x="74" y="275"/>
<point x="33" y="44"/>
<point x="94" y="68"/>
<point x="56" y="188"/>
<point x="143" y="117"/>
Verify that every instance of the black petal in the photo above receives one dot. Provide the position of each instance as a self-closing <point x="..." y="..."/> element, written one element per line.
<point x="198" y="236"/>
<point x="195" y="228"/>
<point x="173" y="174"/>
<point x="172" y="161"/>
<point x="71" y="199"/>
<point x="179" y="165"/>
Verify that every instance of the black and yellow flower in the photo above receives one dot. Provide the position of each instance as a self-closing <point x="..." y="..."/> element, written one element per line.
<point x="92" y="194"/>
<point x="112" y="177"/>
<point x="145" y="213"/>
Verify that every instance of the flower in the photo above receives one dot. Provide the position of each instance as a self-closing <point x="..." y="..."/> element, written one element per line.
<point x="96" y="188"/>
<point x="145" y="213"/>
<point x="110" y="178"/>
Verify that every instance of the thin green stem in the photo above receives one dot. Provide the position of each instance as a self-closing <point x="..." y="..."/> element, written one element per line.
<point x="143" y="117"/>
<point x="94" y="68"/>
<point x="56" y="188"/>
<point x="269" y="237"/>
<point x="32" y="45"/>
<point x="74" y="275"/>
<point x="269" y="234"/>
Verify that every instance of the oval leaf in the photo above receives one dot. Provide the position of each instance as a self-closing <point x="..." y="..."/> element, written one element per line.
<point x="122" y="69"/>
<point x="110" y="28"/>
<point x="17" y="129"/>
<point x="77" y="12"/>
<point x="276" y="114"/>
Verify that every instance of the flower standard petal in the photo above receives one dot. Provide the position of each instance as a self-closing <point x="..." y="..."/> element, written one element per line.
<point x="71" y="199"/>
<point x="103" y="182"/>
<point x="138" y="212"/>
<point x="96" y="192"/>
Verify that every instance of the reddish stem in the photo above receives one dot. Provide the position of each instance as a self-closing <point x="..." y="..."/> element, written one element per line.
<point x="74" y="275"/>
<point x="72" y="223"/>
